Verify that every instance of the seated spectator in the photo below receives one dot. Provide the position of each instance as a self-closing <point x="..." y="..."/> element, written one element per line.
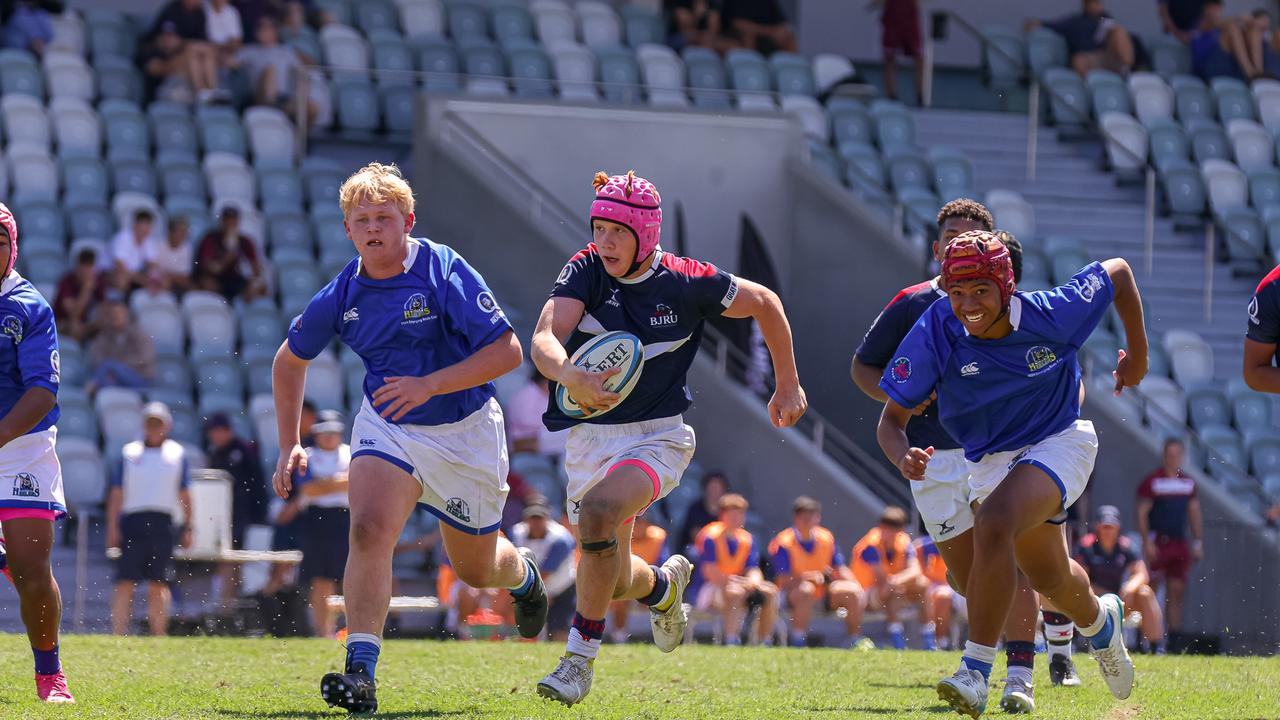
<point x="171" y="260"/>
<point x="810" y="570"/>
<point x="121" y="354"/>
<point x="222" y="27"/>
<point x="693" y="23"/>
<point x="411" y="558"/>
<point x="939" y="597"/>
<point x="239" y="459"/>
<point x="148" y="493"/>
<point x="227" y="260"/>
<point x="900" y="33"/>
<point x="80" y="291"/>
<point x="729" y="563"/>
<point x="524" y="420"/>
<point x="554" y="547"/>
<point x="649" y="543"/>
<point x="27" y="25"/>
<point x="1115" y="566"/>
<point x="758" y="25"/>
<point x="1093" y="38"/>
<point x="322" y="498"/>
<point x="179" y="48"/>
<point x="285" y="514"/>
<point x="884" y="564"/>
<point x="705" y="509"/>
<point x="131" y="251"/>
<point x="277" y="72"/>
<point x="1225" y="46"/>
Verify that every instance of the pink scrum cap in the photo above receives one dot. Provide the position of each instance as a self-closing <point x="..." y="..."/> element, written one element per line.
<point x="631" y="201"/>
<point x="10" y="226"/>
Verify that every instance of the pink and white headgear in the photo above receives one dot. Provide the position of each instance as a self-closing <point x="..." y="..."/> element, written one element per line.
<point x="633" y="202"/>
<point x="10" y="226"/>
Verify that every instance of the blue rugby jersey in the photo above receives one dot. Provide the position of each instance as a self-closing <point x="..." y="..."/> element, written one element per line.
<point x="998" y="395"/>
<point x="665" y="308"/>
<point x="28" y="346"/>
<point x="437" y="313"/>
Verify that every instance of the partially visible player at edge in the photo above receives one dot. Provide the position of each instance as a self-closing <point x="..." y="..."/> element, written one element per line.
<point x="29" y="379"/>
<point x="620" y="463"/>
<point x="432" y="337"/>
<point x="942" y="496"/>
<point x="1003" y="366"/>
<point x="1262" y="338"/>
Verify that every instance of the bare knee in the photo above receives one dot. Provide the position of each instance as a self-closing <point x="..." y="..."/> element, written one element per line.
<point x="598" y="517"/>
<point x="371" y="533"/>
<point x="991" y="529"/>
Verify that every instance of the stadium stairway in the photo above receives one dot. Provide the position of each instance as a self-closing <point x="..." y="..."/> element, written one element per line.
<point x="1074" y="195"/>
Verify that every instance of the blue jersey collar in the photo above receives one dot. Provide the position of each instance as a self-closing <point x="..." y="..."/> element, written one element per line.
<point x="409" y="256"/>
<point x="10" y="282"/>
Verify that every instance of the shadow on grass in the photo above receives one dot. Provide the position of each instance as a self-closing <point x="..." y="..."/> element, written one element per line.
<point x="902" y="685"/>
<point x="844" y="710"/>
<point x="287" y="714"/>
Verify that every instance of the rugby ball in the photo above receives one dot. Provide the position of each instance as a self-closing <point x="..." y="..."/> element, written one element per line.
<point x="604" y="352"/>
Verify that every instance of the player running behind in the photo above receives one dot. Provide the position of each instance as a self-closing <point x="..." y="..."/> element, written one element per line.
<point x="29" y="379"/>
<point x="620" y="463"/>
<point x="432" y="339"/>
<point x="942" y="497"/>
<point x="1003" y="367"/>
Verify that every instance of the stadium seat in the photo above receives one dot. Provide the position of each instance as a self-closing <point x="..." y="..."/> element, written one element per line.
<point x="374" y="15"/>
<point x="281" y="189"/>
<point x="1192" y="100"/>
<point x="422" y="19"/>
<point x="182" y="179"/>
<point x="831" y="70"/>
<point x="809" y="112"/>
<point x="393" y="63"/>
<point x="1012" y="213"/>
<point x="164" y="324"/>
<point x="556" y="26"/>
<point x="642" y="26"/>
<point x="43" y="263"/>
<point x="85" y="179"/>
<point x="398" y="108"/>
<point x="1045" y="49"/>
<point x="1264" y="188"/>
<point x="218" y="383"/>
<point x="324" y="384"/>
<point x="35" y="176"/>
<point x="222" y="135"/>
<point x="864" y="168"/>
<point x="1192" y="356"/>
<point x="1183" y="188"/>
<point x="908" y="169"/>
<point x="127" y="135"/>
<point x="1126" y="141"/>
<point x="175" y="133"/>
<point x="87" y="218"/>
<point x="707" y="81"/>
<point x="466" y="20"/>
<point x="1207" y="405"/>
<point x="259" y="334"/>
<point x="1035" y="269"/>
<point x="270" y="137"/>
<point x="210" y="324"/>
<point x="1002" y="55"/>
<point x="1228" y="187"/>
<point x="530" y="72"/>
<point x="19" y="74"/>
<point x="1151" y="99"/>
<point x="1167" y="141"/>
<point x="619" y="75"/>
<point x="345" y="50"/>
<point x="1055" y="244"/>
<point x="172" y="370"/>
<point x="1233" y="99"/>
<point x="1168" y="56"/>
<point x="134" y="176"/>
<point x="439" y="60"/>
<point x="76" y="127"/>
<point x="1166" y="406"/>
<point x="359" y="113"/>
<point x="67" y="75"/>
<point x="792" y="75"/>
<point x="1243" y="233"/>
<point x="229" y="179"/>
<point x="893" y="125"/>
<point x="118" y="78"/>
<point x="663" y="72"/>
<point x="1269" y="113"/>
<point x="512" y="26"/>
<point x="25" y="122"/>
<point x="296" y="284"/>
<point x="307" y="43"/>
<point x="486" y="70"/>
<point x="119" y="415"/>
<point x="40" y="218"/>
<point x="1107" y="93"/>
<point x="1263" y="448"/>
<point x="575" y="70"/>
<point x="850" y="123"/>
<point x="920" y="210"/>
<point x="749" y="77"/>
<point x="1250" y="409"/>
<point x="599" y="24"/>
<point x="83" y="470"/>
<point x="1225" y="451"/>
<point x="1069" y="103"/>
<point x="77" y="418"/>
<point x="1251" y="145"/>
<point x="109" y="37"/>
<point x="822" y="158"/>
<point x="1067" y="263"/>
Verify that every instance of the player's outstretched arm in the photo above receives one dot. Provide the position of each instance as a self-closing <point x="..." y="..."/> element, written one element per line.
<point x="30" y="409"/>
<point x="399" y="395"/>
<point x="558" y="319"/>
<point x="892" y="435"/>
<point x="1132" y="364"/>
<point x="288" y="378"/>
<point x="765" y="307"/>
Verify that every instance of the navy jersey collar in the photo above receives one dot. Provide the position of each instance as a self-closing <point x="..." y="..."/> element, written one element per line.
<point x="653" y="268"/>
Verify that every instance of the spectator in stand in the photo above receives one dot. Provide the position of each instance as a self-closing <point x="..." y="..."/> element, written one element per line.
<point x="27" y="25"/>
<point x="171" y="260"/>
<point x="239" y="459"/>
<point x="554" y="547"/>
<point x="276" y="71"/>
<point x="80" y="291"/>
<point x="285" y="514"/>
<point x="1093" y="38"/>
<point x="884" y="563"/>
<point x="939" y="597"/>
<point x="148" y="496"/>
<point x="1115" y="566"/>
<point x="900" y="33"/>
<point x="121" y="354"/>
<point x="178" y="53"/>
<point x="705" y="509"/>
<point x="733" y="585"/>
<point x="758" y="25"/>
<point x="693" y="23"/>
<point x="223" y="28"/>
<point x="1221" y="45"/>
<point x="221" y="259"/>
<point x="411" y="558"/>
<point x="131" y="251"/>
<point x="524" y="420"/>
<point x="1181" y="18"/>
<point x="649" y="543"/>
<point x="810" y="569"/>
<point x="322" y="499"/>
<point x="1168" y="507"/>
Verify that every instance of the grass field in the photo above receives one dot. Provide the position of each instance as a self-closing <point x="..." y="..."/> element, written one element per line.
<point x="227" y="679"/>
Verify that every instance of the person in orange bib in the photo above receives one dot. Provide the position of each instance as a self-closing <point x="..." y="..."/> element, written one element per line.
<point x="810" y="568"/>
<point x="732" y="582"/>
<point x="649" y="542"/>
<point x="939" y="598"/>
<point x="884" y="564"/>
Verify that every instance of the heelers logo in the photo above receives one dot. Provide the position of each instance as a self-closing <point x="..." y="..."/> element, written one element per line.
<point x="457" y="507"/>
<point x="663" y="316"/>
<point x="900" y="371"/>
<point x="11" y="327"/>
<point x="1039" y="358"/>
<point x="415" y="309"/>
<point x="25" y="485"/>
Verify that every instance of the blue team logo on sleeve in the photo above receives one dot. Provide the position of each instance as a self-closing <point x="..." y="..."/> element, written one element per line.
<point x="486" y="302"/>
<point x="1040" y="357"/>
<point x="900" y="371"/>
<point x="415" y="308"/>
<point x="12" y="327"/>
<point x="1089" y="286"/>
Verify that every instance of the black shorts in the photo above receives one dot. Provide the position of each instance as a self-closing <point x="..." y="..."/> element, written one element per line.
<point x="325" y="543"/>
<point x="287" y="536"/>
<point x="146" y="550"/>
<point x="560" y="613"/>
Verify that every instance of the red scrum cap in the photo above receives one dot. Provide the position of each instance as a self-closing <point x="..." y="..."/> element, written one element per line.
<point x="978" y="255"/>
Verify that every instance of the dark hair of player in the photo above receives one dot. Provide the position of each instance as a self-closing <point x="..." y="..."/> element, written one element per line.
<point x="969" y="210"/>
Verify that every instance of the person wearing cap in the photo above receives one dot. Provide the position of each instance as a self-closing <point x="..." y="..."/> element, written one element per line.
<point x="1116" y="566"/>
<point x="553" y="544"/>
<point x="121" y="353"/>
<point x="79" y="292"/>
<point x="170" y="260"/>
<point x="148" y="511"/>
<point x="223" y="256"/>
<point x="624" y="455"/>
<point x="323" y="502"/>
<point x="884" y="563"/>
<point x="733" y="585"/>
<point x="227" y="451"/>
<point x="810" y="569"/>
<point x="32" y="476"/>
<point x="1002" y="367"/>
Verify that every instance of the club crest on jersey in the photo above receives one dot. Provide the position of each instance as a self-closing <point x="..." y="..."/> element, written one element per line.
<point x="900" y="371"/>
<point x="1090" y="286"/>
<point x="457" y="507"/>
<point x="55" y="362"/>
<point x="565" y="274"/>
<point x="1039" y="358"/>
<point x="11" y="327"/>
<point x="415" y="308"/>
<point x="25" y="485"/>
<point x="663" y="316"/>
<point x="485" y="302"/>
<point x="1253" y="311"/>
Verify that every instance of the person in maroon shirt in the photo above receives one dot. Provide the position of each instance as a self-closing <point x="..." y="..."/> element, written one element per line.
<point x="1167" y="507"/>
<point x="79" y="291"/>
<point x="221" y="258"/>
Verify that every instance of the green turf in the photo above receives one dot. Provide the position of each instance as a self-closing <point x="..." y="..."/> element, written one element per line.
<point x="222" y="678"/>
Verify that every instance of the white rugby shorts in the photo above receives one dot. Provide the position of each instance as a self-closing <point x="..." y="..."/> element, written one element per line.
<point x="1067" y="458"/>
<point x="30" y="474"/>
<point x="943" y="496"/>
<point x="662" y="448"/>
<point x="461" y="466"/>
